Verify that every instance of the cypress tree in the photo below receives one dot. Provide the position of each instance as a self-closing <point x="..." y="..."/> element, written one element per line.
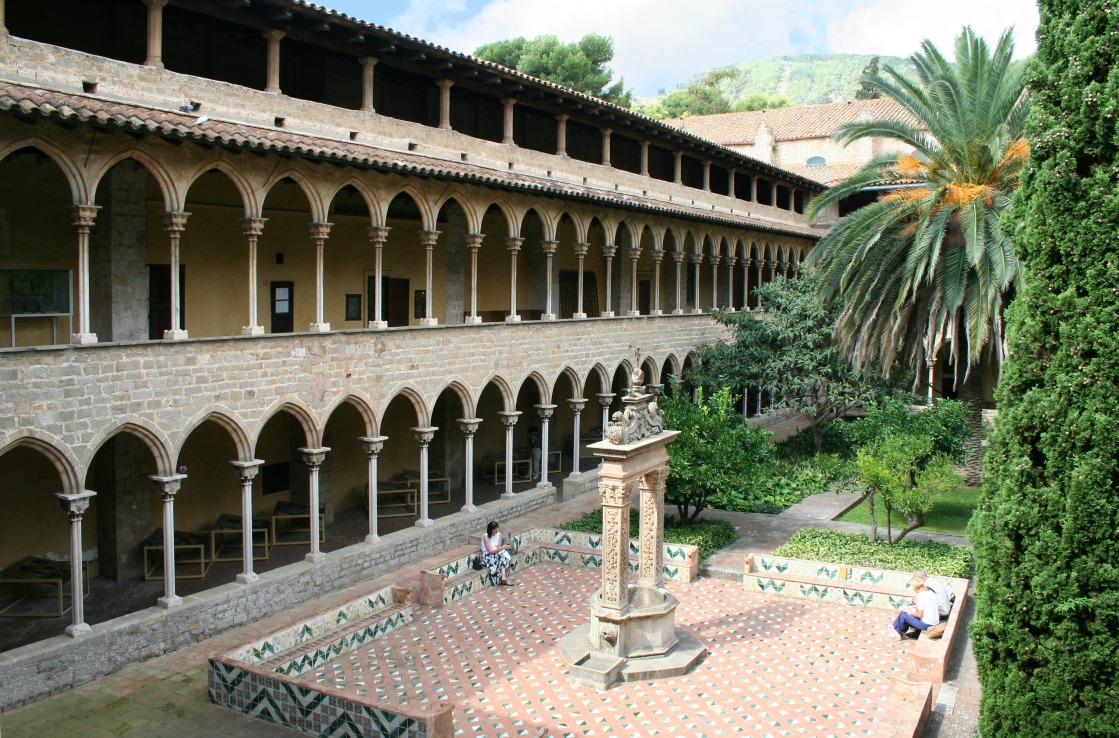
<point x="1046" y="534"/>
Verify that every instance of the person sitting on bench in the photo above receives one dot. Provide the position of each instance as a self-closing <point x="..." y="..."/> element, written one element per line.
<point x="496" y="555"/>
<point x="921" y="615"/>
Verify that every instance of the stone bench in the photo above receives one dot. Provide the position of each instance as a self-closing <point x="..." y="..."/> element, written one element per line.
<point x="862" y="587"/>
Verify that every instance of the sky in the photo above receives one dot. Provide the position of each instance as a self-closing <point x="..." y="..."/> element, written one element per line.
<point x="660" y="44"/>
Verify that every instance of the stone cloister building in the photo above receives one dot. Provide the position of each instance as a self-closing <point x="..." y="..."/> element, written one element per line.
<point x="256" y="251"/>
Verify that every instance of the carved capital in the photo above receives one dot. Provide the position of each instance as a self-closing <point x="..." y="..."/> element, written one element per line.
<point x="425" y="434"/>
<point x="469" y="426"/>
<point x="83" y="216"/>
<point x="697" y="259"/>
<point x="581" y="248"/>
<point x="658" y="256"/>
<point x="75" y="505"/>
<point x="654" y="479"/>
<point x="253" y="227"/>
<point x="319" y="231"/>
<point x="716" y="260"/>
<point x="509" y="419"/>
<point x="606" y="399"/>
<point x="168" y="486"/>
<point x="314" y="457"/>
<point x="246" y="470"/>
<point x="174" y="222"/>
<point x="678" y="257"/>
<point x="608" y="250"/>
<point x="549" y="247"/>
<point x="514" y="244"/>
<point x="474" y="241"/>
<point x="614" y="495"/>
<point x="428" y="239"/>
<point x="273" y="35"/>
<point x="378" y="235"/>
<point x="545" y="411"/>
<point x="577" y="405"/>
<point x="373" y="445"/>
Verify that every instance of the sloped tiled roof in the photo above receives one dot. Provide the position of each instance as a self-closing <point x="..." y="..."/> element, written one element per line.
<point x="789" y="124"/>
<point x="829" y="174"/>
<point x="95" y="111"/>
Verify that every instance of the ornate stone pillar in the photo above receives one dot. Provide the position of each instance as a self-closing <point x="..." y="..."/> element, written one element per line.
<point x="474" y="242"/>
<point x="319" y="233"/>
<point x="469" y="427"/>
<point x="377" y="236"/>
<point x="424" y="436"/>
<point x="252" y="228"/>
<point x="367" y="65"/>
<point x="697" y="260"/>
<point x="678" y="257"/>
<point x="608" y="250"/>
<point x="581" y="248"/>
<point x="715" y="261"/>
<point x="561" y="134"/>
<point x="634" y="256"/>
<point x="155" y="33"/>
<point x="246" y="472"/>
<point x="644" y="158"/>
<point x="445" y="86"/>
<point x="372" y="445"/>
<point x="514" y="245"/>
<point x="427" y="240"/>
<point x="273" y="37"/>
<point x="175" y="224"/>
<point x="606" y="132"/>
<point x="168" y="487"/>
<point x="658" y="255"/>
<point x="549" y="248"/>
<point x="651" y="557"/>
<point x="83" y="217"/>
<point x="577" y="406"/>
<point x="509" y="420"/>
<point x="508" y="102"/>
<point x="313" y="458"/>
<point x="606" y="399"/>
<point x="731" y="262"/>
<point x="546" y="412"/>
<point x="75" y="506"/>
<point x="615" y="544"/>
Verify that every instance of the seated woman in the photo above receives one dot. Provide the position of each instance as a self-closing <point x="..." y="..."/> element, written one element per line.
<point x="922" y="615"/>
<point x="496" y="555"/>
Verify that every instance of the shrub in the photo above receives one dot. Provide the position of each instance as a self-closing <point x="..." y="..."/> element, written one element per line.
<point x="708" y="535"/>
<point x="856" y="549"/>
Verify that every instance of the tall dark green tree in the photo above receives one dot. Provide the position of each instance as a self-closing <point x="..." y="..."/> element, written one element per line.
<point x="1046" y="534"/>
<point x="581" y="65"/>
<point x="868" y="85"/>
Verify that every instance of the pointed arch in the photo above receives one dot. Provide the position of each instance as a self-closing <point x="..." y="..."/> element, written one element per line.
<point x="302" y="414"/>
<point x="228" y="420"/>
<point x="363" y="189"/>
<point x="79" y="192"/>
<point x="603" y="376"/>
<point x="148" y="434"/>
<point x="414" y="396"/>
<point x="50" y="446"/>
<point x="243" y="186"/>
<point x="173" y="198"/>
<point x="465" y="396"/>
<point x="579" y="222"/>
<point x="542" y="386"/>
<point x="512" y="222"/>
<point x="427" y="215"/>
<point x="503" y="387"/>
<point x="572" y="376"/>
<point x="466" y="204"/>
<point x="360" y="402"/>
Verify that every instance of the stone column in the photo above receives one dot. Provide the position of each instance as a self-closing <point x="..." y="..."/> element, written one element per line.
<point x="615" y="544"/>
<point x="473" y="243"/>
<point x="168" y="487"/>
<point x="644" y="158"/>
<point x="608" y="250"/>
<point x="606" y="133"/>
<point x="445" y="86"/>
<point x="546" y="412"/>
<point x="658" y="255"/>
<point x="377" y="236"/>
<point x="581" y="248"/>
<point x="367" y="65"/>
<point x="697" y="260"/>
<point x="634" y="255"/>
<point x="83" y="217"/>
<point x="424" y="436"/>
<point x="761" y="267"/>
<point x="606" y="399"/>
<point x="273" y="37"/>
<point x="678" y="176"/>
<point x="715" y="261"/>
<point x="508" y="102"/>
<point x="427" y="240"/>
<point x="549" y="248"/>
<point x="732" y="261"/>
<point x="509" y="420"/>
<point x="3" y="28"/>
<point x="706" y="176"/>
<point x="75" y="506"/>
<point x="651" y="557"/>
<point x="678" y="257"/>
<point x="372" y="445"/>
<point x="246" y="472"/>
<point x="319" y="233"/>
<point x="746" y="264"/>
<point x="313" y="458"/>
<point x="252" y="228"/>
<point x="175" y="224"/>
<point x="469" y="427"/>
<point x="577" y="406"/>
<point x="155" y="33"/>
<point x="730" y="182"/>
<point x="561" y="134"/>
<point x="514" y="245"/>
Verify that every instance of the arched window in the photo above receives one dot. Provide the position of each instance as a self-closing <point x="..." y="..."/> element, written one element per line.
<point x="816" y="161"/>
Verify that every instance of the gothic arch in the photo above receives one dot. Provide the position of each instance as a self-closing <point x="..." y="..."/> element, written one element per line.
<point x="302" y="414"/>
<point x="148" y="434"/>
<point x="56" y="452"/>
<point x="414" y="396"/>
<point x="359" y="402"/>
<point x="78" y="190"/>
<point x="226" y="419"/>
<point x="173" y="199"/>
<point x="464" y="395"/>
<point x="314" y="200"/>
<point x="244" y="188"/>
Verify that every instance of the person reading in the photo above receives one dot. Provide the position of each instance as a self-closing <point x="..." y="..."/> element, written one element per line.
<point x="496" y="555"/>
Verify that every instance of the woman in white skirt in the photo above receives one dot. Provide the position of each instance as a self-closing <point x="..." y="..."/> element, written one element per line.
<point x="496" y="555"/>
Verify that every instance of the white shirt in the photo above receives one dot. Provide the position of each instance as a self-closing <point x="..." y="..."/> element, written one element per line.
<point x="940" y="589"/>
<point x="926" y="603"/>
<point x="495" y="543"/>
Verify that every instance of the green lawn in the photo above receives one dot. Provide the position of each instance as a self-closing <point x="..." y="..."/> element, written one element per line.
<point x="949" y="515"/>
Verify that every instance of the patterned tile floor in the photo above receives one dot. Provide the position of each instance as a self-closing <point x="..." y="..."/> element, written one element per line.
<point x="777" y="666"/>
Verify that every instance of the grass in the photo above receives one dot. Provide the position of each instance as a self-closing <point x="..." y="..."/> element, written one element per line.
<point x="949" y="515"/>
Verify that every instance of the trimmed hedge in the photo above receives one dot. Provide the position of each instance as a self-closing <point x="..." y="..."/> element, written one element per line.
<point x="856" y="549"/>
<point x="708" y="535"/>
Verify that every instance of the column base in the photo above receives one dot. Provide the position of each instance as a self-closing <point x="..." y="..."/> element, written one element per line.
<point x="315" y="557"/>
<point x="697" y="311"/>
<point x="425" y="523"/>
<point x="678" y="311"/>
<point x="656" y="313"/>
<point x="729" y="310"/>
<point x="83" y="339"/>
<point x="252" y="330"/>
<point x="608" y="314"/>
<point x="378" y="325"/>
<point x="428" y="322"/>
<point x="248" y="577"/>
<point x="469" y="508"/>
<point x="548" y="316"/>
<point x="177" y="335"/>
<point x="320" y="328"/>
<point x="579" y="316"/>
<point x="371" y="539"/>
<point x="472" y="320"/>
<point x="508" y="495"/>
<point x="633" y="314"/>
<point x="78" y="630"/>
<point x="168" y="602"/>
<point x="512" y="319"/>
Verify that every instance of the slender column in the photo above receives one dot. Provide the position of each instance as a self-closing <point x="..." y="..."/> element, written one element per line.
<point x="367" y="65"/>
<point x="3" y="28"/>
<point x="732" y="261"/>
<point x="561" y="134"/>
<point x="658" y="255"/>
<point x="427" y="240"/>
<point x="319" y="233"/>
<point x="785" y="270"/>
<point x="577" y="406"/>
<point x="373" y="446"/>
<point x="615" y="543"/>
<point x="155" y="33"/>
<point x="730" y="183"/>
<point x="549" y="252"/>
<point x="252" y="228"/>
<point x="445" y="86"/>
<point x="678" y="257"/>
<point x="469" y="427"/>
<point x="377" y="236"/>
<point x="644" y="158"/>
<point x="246" y="472"/>
<point x="634" y="255"/>
<point x="82" y="218"/>
<point x="606" y="133"/>
<point x="509" y="420"/>
<point x="313" y="458"/>
<point x="273" y="36"/>
<point x="514" y="245"/>
<point x="758" y="404"/>
<point x="581" y="248"/>
<point x="424" y="436"/>
<point x="606" y="399"/>
<point x="697" y="260"/>
<point x="175" y="224"/>
<point x="473" y="242"/>
<point x="678" y="175"/>
<point x="715" y="261"/>
<point x="758" y="298"/>
<point x="706" y="176"/>
<point x="608" y="250"/>
<point x="746" y="264"/>
<point x="167" y="488"/>
<point x="545" y="412"/>
<point x="651" y="562"/>
<point x="75" y="506"/>
<point x="508" y="102"/>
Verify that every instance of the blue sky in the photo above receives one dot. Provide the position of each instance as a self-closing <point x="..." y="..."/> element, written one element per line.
<point x="662" y="43"/>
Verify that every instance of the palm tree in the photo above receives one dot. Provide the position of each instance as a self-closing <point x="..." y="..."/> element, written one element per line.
<point x="928" y="264"/>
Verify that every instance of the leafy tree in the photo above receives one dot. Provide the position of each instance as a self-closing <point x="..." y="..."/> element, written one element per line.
<point x="1046" y="632"/>
<point x="580" y="65"/>
<point x="868" y="85"/>
<point x="759" y="101"/>
<point x="789" y="351"/>
<point x="928" y="265"/>
<point x="694" y="99"/>
<point x="945" y="424"/>
<point x="716" y="457"/>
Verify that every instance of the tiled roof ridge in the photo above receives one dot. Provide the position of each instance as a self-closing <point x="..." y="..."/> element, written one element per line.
<point x="167" y="123"/>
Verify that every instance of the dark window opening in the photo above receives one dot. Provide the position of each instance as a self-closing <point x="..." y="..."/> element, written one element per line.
<point x="569" y="294"/>
<point x="116" y="30"/>
<point x="691" y="174"/>
<point x="690" y="277"/>
<point x="584" y="142"/>
<point x="159" y="299"/>
<point x="534" y="129"/>
<point x="850" y="204"/>
<point x="320" y="75"/>
<point x="743" y="187"/>
<point x="625" y="153"/>
<point x="394" y="300"/>
<point x="798" y="201"/>
<point x="203" y="46"/>
<point x="662" y="164"/>
<point x="275" y="478"/>
<point x="477" y="115"/>
<point x="405" y="96"/>
<point x="720" y="181"/>
<point x="784" y="197"/>
<point x="764" y="192"/>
